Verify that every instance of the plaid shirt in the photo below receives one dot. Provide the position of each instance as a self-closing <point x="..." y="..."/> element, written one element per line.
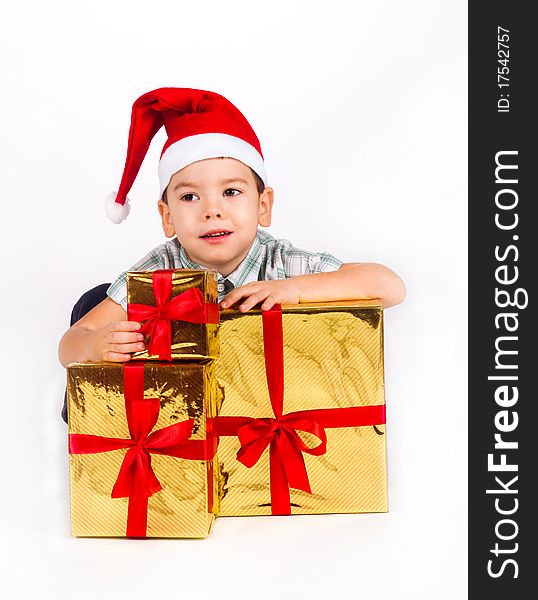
<point x="268" y="258"/>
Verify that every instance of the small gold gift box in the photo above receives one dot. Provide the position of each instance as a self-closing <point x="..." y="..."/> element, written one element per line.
<point x="179" y="312"/>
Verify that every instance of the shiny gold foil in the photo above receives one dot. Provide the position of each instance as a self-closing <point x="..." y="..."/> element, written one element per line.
<point x="186" y="505"/>
<point x="189" y="340"/>
<point x="333" y="357"/>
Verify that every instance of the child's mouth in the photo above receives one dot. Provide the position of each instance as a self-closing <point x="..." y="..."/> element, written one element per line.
<point x="214" y="237"/>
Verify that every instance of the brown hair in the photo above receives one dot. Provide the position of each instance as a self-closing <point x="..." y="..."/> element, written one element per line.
<point x="260" y="186"/>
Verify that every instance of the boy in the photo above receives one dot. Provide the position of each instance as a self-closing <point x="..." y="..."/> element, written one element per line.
<point x="214" y="195"/>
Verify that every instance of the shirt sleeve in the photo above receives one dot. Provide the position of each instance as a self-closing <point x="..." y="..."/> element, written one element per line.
<point x="151" y="262"/>
<point x="294" y="261"/>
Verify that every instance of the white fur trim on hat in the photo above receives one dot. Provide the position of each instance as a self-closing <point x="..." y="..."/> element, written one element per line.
<point x="207" y="145"/>
<point x="114" y="211"/>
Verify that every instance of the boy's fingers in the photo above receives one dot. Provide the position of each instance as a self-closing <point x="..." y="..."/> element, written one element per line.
<point x="124" y="348"/>
<point x="116" y="357"/>
<point x="236" y="295"/>
<point x="252" y="301"/>
<point x="230" y="298"/>
<point x="125" y="326"/>
<point x="269" y="303"/>
<point x="125" y="337"/>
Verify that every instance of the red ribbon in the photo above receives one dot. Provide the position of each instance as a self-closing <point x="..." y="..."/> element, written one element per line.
<point x="287" y="468"/>
<point x="188" y="306"/>
<point x="136" y="479"/>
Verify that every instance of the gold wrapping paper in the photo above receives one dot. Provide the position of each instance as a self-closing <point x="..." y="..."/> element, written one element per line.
<point x="186" y="505"/>
<point x="333" y="357"/>
<point x="189" y="340"/>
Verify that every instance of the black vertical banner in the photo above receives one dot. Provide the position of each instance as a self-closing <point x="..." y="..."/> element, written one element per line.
<point x="503" y="333"/>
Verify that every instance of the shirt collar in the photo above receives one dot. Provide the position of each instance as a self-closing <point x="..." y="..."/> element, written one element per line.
<point x="247" y="270"/>
<point x="185" y="259"/>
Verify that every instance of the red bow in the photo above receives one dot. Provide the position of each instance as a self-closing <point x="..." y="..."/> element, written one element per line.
<point x="188" y="306"/>
<point x="136" y="479"/>
<point x="287" y="468"/>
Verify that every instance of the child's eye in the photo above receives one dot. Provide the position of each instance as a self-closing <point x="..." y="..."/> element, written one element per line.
<point x="231" y="190"/>
<point x="189" y="197"/>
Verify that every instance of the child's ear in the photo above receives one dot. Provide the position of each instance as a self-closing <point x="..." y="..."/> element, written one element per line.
<point x="166" y="218"/>
<point x="265" y="207"/>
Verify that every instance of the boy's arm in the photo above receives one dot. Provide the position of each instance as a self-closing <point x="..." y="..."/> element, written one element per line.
<point x="352" y="281"/>
<point x="102" y="334"/>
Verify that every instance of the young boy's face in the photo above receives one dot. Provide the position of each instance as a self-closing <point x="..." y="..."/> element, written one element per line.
<point x="214" y="209"/>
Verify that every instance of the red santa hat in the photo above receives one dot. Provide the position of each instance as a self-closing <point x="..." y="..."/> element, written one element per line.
<point x="199" y="125"/>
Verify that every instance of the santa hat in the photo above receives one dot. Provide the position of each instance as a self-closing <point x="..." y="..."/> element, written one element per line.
<point x="199" y="125"/>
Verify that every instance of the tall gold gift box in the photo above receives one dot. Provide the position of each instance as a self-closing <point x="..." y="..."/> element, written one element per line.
<point x="190" y="338"/>
<point x="186" y="504"/>
<point x="333" y="358"/>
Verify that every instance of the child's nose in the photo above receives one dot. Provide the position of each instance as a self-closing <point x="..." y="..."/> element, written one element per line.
<point x="213" y="209"/>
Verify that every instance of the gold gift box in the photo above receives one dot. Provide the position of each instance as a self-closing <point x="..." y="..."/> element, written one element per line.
<point x="333" y="358"/>
<point x="186" y="505"/>
<point x="189" y="340"/>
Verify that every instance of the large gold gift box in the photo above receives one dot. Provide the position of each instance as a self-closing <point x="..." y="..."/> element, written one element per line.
<point x="189" y="339"/>
<point x="333" y="358"/>
<point x="97" y="408"/>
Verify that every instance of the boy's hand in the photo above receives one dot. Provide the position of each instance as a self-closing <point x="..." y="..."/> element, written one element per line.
<point x="269" y="293"/>
<point x="116" y="341"/>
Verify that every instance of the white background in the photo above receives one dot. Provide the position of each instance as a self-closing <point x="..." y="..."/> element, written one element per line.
<point x="361" y="111"/>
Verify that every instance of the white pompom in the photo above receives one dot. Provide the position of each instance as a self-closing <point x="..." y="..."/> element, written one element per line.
<point x="116" y="212"/>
